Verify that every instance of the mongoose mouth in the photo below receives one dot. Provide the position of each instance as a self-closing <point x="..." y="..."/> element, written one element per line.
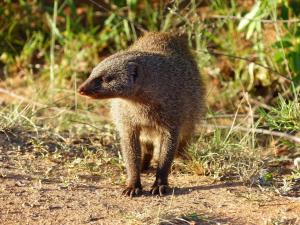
<point x="101" y="96"/>
<point x="84" y="92"/>
<point x="95" y="94"/>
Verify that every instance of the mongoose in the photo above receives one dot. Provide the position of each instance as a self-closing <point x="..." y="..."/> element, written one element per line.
<point x="157" y="99"/>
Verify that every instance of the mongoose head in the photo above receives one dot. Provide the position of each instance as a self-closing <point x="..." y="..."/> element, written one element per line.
<point x="116" y="76"/>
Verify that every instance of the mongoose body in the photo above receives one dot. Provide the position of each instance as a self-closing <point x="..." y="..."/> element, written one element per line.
<point x="157" y="99"/>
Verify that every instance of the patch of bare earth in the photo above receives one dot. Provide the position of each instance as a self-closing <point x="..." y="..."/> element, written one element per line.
<point x="30" y="194"/>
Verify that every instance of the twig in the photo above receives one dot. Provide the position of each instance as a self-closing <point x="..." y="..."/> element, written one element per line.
<point x="84" y="123"/>
<point x="255" y="20"/>
<point x="233" y="122"/>
<point x="41" y="105"/>
<point x="228" y="116"/>
<point x="213" y="52"/>
<point x="261" y="104"/>
<point x="256" y="130"/>
<point x="13" y="95"/>
<point x="251" y="119"/>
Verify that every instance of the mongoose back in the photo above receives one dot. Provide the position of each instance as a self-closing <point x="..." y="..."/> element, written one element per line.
<point x="157" y="99"/>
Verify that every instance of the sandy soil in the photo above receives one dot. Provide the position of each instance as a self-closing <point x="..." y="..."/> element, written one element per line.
<point x="27" y="201"/>
<point x="27" y="196"/>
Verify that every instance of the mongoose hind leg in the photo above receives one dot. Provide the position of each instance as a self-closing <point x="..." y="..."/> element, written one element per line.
<point x="131" y="150"/>
<point x="169" y="144"/>
<point x="147" y="154"/>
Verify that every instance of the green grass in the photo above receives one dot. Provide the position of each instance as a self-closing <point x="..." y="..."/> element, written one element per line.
<point x="285" y="116"/>
<point x="224" y="158"/>
<point x="47" y="53"/>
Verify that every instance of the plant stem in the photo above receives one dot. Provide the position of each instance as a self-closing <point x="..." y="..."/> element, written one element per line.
<point x="52" y="56"/>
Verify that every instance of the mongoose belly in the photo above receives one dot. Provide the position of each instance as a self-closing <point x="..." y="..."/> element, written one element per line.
<point x="150" y="135"/>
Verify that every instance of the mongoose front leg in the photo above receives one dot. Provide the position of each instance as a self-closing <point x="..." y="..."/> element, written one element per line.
<point x="131" y="151"/>
<point x="169" y="144"/>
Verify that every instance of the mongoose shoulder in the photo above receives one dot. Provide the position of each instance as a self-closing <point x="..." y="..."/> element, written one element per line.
<point x="157" y="99"/>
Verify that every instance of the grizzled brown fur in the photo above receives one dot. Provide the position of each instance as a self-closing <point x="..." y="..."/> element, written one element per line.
<point x="157" y="99"/>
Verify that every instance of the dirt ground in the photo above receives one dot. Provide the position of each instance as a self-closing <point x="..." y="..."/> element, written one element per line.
<point x="29" y="197"/>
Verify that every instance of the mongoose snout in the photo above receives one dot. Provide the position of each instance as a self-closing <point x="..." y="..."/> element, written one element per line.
<point x="89" y="87"/>
<point x="157" y="99"/>
<point x="108" y="82"/>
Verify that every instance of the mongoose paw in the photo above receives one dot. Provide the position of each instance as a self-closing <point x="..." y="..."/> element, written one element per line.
<point x="132" y="191"/>
<point x="160" y="190"/>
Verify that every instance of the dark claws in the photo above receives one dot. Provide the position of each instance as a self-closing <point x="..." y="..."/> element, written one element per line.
<point x="132" y="191"/>
<point x="160" y="190"/>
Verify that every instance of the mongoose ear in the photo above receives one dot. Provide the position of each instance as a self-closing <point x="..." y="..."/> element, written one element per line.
<point x="134" y="71"/>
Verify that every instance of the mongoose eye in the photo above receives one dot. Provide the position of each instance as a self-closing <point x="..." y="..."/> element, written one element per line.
<point x="99" y="80"/>
<point x="133" y="70"/>
<point x="135" y="75"/>
<point x="108" y="78"/>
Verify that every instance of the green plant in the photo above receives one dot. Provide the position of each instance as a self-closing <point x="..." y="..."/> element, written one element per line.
<point x="287" y="47"/>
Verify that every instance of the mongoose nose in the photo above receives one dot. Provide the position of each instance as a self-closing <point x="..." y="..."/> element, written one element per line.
<point x="81" y="90"/>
